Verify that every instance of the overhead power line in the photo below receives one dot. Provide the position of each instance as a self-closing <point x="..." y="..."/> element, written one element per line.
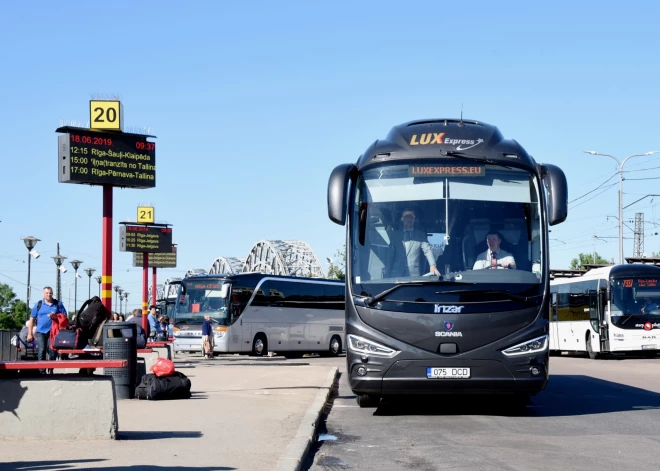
<point x="589" y="192"/>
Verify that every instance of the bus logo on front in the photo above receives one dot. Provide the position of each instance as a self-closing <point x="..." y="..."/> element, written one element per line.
<point x="440" y="308"/>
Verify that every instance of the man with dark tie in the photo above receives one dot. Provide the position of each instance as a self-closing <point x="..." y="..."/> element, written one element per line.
<point x="494" y="257"/>
<point x="408" y="248"/>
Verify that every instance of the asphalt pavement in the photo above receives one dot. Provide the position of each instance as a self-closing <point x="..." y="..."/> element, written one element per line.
<point x="594" y="414"/>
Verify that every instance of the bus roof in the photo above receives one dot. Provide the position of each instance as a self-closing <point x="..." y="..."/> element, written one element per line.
<point x="433" y="138"/>
<point x="631" y="269"/>
<point x="255" y="277"/>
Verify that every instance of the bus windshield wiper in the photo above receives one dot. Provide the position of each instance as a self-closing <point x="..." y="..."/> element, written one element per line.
<point x="514" y="297"/>
<point x="370" y="301"/>
<point x="478" y="158"/>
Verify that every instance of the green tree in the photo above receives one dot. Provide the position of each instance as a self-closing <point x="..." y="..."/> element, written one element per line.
<point x="12" y="310"/>
<point x="589" y="258"/>
<point x="338" y="271"/>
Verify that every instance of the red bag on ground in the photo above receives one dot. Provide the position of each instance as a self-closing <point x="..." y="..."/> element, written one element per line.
<point x="163" y="367"/>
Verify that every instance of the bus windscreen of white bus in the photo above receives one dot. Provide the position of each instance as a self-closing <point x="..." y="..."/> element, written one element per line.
<point x="635" y="302"/>
<point x="200" y="298"/>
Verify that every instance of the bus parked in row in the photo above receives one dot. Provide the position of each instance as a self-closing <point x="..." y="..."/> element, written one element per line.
<point x="447" y="271"/>
<point x="257" y="313"/>
<point x="613" y="309"/>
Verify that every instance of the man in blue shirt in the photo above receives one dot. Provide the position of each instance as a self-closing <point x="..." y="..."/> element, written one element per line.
<point x="44" y="312"/>
<point x="154" y="325"/>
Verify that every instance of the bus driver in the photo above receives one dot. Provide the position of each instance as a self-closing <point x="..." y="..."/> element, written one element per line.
<point x="494" y="257"/>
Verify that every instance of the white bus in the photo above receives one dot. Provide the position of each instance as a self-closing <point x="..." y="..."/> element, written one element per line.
<point x="257" y="313"/>
<point x="614" y="309"/>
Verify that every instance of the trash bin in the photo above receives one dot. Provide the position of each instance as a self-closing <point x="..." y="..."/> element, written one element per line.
<point x="120" y="343"/>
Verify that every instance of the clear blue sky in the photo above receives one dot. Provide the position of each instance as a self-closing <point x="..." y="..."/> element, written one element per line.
<point x="254" y="103"/>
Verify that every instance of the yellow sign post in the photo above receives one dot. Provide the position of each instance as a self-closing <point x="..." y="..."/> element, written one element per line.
<point x="106" y="114"/>
<point x="145" y="214"/>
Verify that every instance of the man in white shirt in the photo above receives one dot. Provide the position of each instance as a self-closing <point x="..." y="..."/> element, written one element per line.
<point x="494" y="257"/>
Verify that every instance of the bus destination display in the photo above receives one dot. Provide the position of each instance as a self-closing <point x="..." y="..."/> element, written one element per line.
<point x="145" y="239"/>
<point x="103" y="158"/>
<point x="156" y="260"/>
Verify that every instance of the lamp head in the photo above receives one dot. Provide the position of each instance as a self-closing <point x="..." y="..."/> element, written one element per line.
<point x="651" y="152"/>
<point x="590" y="152"/>
<point x="99" y="279"/>
<point x="59" y="259"/>
<point x="76" y="264"/>
<point x="89" y="271"/>
<point x="30" y="242"/>
<point x="120" y="291"/>
<point x="116" y="288"/>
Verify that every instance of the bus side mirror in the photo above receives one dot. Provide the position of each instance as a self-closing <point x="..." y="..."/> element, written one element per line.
<point x="338" y="191"/>
<point x="555" y="183"/>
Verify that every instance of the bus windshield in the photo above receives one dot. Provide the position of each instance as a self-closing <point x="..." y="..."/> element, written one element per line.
<point x="635" y="300"/>
<point x="198" y="298"/>
<point x="474" y="223"/>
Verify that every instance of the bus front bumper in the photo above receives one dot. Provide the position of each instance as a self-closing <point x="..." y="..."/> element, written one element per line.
<point x="485" y="377"/>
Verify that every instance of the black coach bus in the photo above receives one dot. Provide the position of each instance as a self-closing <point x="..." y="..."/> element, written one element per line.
<point x="447" y="273"/>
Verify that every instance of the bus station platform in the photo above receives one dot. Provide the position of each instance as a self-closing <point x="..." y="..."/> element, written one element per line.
<point x="246" y="415"/>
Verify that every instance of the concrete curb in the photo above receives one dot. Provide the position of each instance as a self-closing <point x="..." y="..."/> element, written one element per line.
<point x="295" y="454"/>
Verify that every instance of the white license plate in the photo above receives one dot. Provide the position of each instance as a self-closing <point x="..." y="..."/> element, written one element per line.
<point x="649" y="347"/>
<point x="448" y="373"/>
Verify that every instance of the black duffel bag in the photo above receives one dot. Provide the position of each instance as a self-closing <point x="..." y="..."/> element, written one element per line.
<point x="158" y="388"/>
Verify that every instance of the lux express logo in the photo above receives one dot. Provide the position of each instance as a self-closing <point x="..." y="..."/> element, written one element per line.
<point x="648" y="326"/>
<point x="439" y="138"/>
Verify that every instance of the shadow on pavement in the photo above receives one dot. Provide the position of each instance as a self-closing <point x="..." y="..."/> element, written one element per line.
<point x="157" y="435"/>
<point x="73" y="464"/>
<point x="565" y="395"/>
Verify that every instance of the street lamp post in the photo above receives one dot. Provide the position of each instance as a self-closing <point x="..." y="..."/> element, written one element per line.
<point x="89" y="272"/>
<point x="30" y="243"/>
<point x="126" y="307"/>
<point x="59" y="259"/>
<point x="620" y="172"/>
<point x="120" y="291"/>
<point x="117" y="288"/>
<point x="75" y="264"/>
<point x="99" y="279"/>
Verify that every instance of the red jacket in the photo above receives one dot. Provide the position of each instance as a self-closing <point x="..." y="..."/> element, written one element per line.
<point x="61" y="323"/>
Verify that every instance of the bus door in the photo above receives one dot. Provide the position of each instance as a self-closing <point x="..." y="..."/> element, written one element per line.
<point x="598" y="317"/>
<point x="554" y="328"/>
<point x="597" y="299"/>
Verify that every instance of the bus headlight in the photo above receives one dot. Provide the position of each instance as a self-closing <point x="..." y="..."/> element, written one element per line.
<point x="361" y="345"/>
<point x="537" y="345"/>
<point x="176" y="331"/>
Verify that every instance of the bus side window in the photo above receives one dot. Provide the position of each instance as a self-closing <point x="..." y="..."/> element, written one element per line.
<point x="262" y="297"/>
<point x="239" y="299"/>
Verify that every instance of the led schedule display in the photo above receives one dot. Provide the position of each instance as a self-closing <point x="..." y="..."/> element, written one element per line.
<point x="103" y="158"/>
<point x="156" y="260"/>
<point x="145" y="239"/>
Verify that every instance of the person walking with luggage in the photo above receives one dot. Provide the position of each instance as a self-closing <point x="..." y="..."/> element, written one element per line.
<point x="44" y="311"/>
<point x="207" y="337"/>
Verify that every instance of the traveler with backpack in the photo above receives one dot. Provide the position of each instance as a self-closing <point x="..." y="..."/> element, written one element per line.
<point x="154" y="325"/>
<point x="44" y="312"/>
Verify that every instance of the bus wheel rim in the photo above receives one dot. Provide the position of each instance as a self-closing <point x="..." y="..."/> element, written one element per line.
<point x="259" y="346"/>
<point x="334" y="345"/>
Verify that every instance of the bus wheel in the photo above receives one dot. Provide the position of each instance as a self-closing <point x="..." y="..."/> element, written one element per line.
<point x="260" y="345"/>
<point x="335" y="346"/>
<point x="593" y="355"/>
<point x="367" y="400"/>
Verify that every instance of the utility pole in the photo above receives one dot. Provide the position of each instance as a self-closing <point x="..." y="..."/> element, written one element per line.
<point x="639" y="235"/>
<point x="620" y="165"/>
